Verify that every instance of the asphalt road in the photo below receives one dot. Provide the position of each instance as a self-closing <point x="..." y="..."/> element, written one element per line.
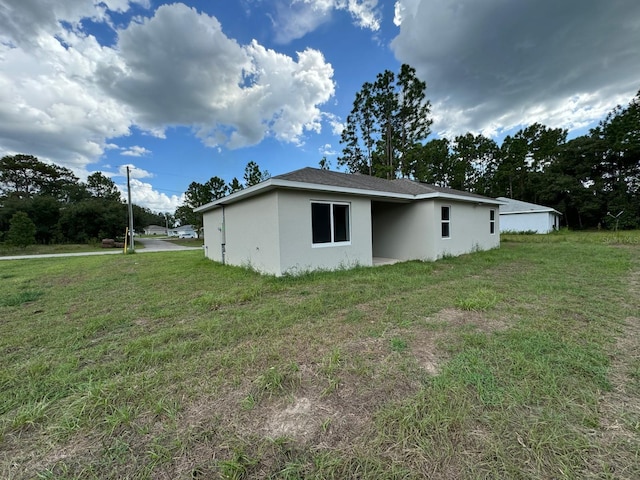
<point x="150" y="245"/>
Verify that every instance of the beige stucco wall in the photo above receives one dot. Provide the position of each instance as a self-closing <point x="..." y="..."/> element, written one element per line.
<point x="212" y="223"/>
<point x="469" y="228"/>
<point x="271" y="233"/>
<point x="413" y="231"/>
<point x="297" y="254"/>
<point x="251" y="231"/>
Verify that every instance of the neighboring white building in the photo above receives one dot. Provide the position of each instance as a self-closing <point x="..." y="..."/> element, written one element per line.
<point x="518" y="216"/>
<point x="313" y="219"/>
<point x="155" y="230"/>
<point x="183" y="231"/>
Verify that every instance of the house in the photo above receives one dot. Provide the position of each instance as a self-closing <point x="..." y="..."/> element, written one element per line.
<point x="518" y="216"/>
<point x="184" y="231"/>
<point x="155" y="230"/>
<point x="313" y="219"/>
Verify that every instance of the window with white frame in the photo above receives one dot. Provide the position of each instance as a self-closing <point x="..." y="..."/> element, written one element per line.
<point x="492" y="221"/>
<point x="445" y="218"/>
<point x="330" y="223"/>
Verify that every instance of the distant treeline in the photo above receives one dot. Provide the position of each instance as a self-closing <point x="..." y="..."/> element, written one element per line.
<point x="586" y="178"/>
<point x="62" y="208"/>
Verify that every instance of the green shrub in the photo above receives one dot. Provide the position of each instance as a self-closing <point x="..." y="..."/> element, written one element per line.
<point x="22" y="230"/>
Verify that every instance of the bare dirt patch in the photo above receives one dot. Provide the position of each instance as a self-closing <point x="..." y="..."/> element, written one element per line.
<point x="424" y="349"/>
<point x="300" y="420"/>
<point x="33" y="463"/>
<point x="424" y="344"/>
<point x="457" y="317"/>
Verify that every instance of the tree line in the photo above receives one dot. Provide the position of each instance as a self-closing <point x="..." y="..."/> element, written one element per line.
<point x="49" y="204"/>
<point x="589" y="178"/>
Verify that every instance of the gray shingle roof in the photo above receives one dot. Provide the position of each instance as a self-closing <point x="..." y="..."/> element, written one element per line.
<point x="305" y="178"/>
<point x="518" y="206"/>
<point x="366" y="182"/>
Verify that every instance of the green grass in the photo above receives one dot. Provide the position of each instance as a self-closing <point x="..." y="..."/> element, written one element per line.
<point x="605" y="237"/>
<point x="515" y="363"/>
<point x="7" y="251"/>
<point x="187" y="242"/>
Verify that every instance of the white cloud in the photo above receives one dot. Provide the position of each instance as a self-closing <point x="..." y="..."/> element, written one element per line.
<point x="284" y="96"/>
<point x="295" y="18"/>
<point x="63" y="96"/>
<point x="232" y="95"/>
<point x="494" y="65"/>
<point x="364" y="12"/>
<point x="327" y="150"/>
<point x="336" y="125"/>
<point x="135" y="151"/>
<point x="47" y="106"/>
<point x="134" y="172"/>
<point x="398" y="11"/>
<point x="143" y="194"/>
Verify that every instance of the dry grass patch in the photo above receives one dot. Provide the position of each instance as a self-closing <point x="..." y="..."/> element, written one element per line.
<point x="619" y="428"/>
<point x="448" y="323"/>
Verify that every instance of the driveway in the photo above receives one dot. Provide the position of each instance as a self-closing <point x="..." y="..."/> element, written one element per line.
<point x="150" y="245"/>
<point x="159" y="245"/>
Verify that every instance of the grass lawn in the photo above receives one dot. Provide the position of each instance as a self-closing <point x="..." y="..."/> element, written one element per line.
<point x="520" y="362"/>
<point x="7" y="251"/>
<point x="187" y="242"/>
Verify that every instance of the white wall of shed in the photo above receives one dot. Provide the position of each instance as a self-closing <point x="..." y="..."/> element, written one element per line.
<point x="539" y="222"/>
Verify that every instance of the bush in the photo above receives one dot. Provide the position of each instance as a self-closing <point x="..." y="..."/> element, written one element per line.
<point x="22" y="231"/>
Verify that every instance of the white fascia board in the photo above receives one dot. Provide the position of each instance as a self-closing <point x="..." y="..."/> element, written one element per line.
<point x="545" y="210"/>
<point x="316" y="187"/>
<point x="273" y="183"/>
<point x="460" y="198"/>
<point x="234" y="197"/>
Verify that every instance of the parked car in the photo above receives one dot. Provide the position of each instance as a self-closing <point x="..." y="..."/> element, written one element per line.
<point x="187" y="235"/>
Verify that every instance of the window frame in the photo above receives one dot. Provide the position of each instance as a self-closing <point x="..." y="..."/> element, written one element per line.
<point x="446" y="222"/>
<point x="492" y="221"/>
<point x="332" y="224"/>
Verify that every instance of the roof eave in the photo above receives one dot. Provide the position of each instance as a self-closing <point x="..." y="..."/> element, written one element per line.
<point x="241" y="194"/>
<point x="274" y="183"/>
<point x="460" y="198"/>
<point x="517" y="212"/>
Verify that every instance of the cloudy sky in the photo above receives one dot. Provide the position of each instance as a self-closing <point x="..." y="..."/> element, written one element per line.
<point x="186" y="91"/>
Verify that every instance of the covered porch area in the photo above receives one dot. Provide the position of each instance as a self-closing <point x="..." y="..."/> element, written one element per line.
<point x="400" y="231"/>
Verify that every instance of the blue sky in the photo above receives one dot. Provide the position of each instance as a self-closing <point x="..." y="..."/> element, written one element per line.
<point x="189" y="90"/>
